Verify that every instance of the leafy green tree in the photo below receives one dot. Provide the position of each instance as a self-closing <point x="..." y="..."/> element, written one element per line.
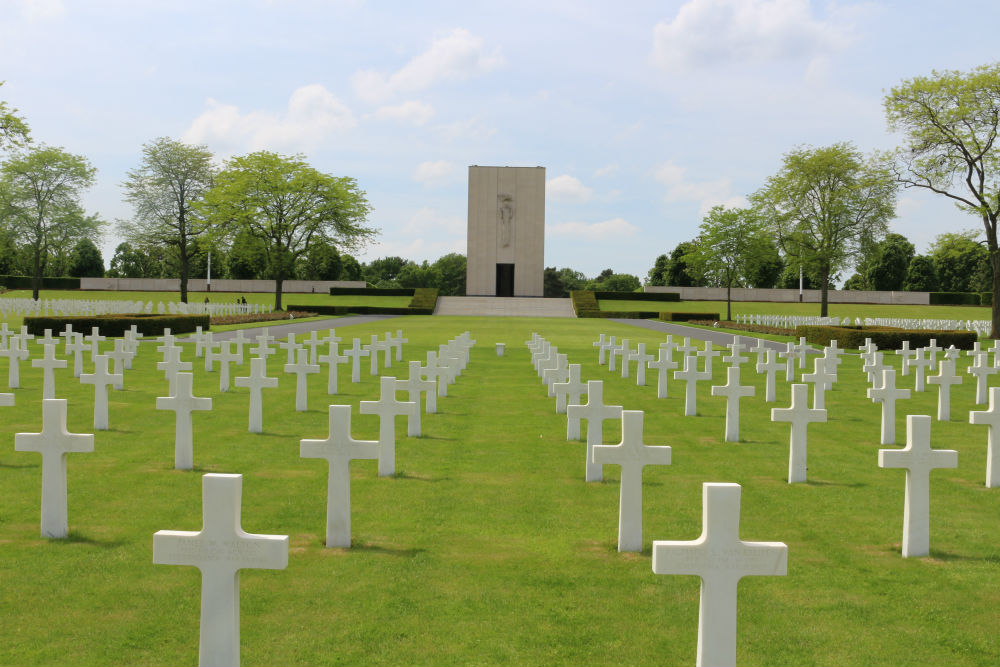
<point x="247" y="257"/>
<point x="618" y="282"/>
<point x="678" y="273"/>
<point x="823" y="204"/>
<point x="886" y="270"/>
<point x="85" y="261"/>
<point x="920" y="275"/>
<point x="163" y="190"/>
<point x="131" y="262"/>
<point x="949" y="122"/>
<point x="957" y="258"/>
<point x="8" y="253"/>
<point x="350" y="268"/>
<point x="14" y="132"/>
<point x="552" y="286"/>
<point x="764" y="264"/>
<point x="725" y="247"/>
<point x="383" y="269"/>
<point x="418" y="275"/>
<point x="657" y="275"/>
<point x="451" y="272"/>
<point x="288" y="205"/>
<point x="855" y="282"/>
<point x="40" y="192"/>
<point x="321" y="262"/>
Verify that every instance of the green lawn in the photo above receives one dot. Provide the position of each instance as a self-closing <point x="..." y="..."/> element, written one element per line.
<point x="488" y="547"/>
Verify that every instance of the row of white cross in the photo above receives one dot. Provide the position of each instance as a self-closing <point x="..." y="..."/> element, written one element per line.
<point x="88" y="307"/>
<point x="981" y="327"/>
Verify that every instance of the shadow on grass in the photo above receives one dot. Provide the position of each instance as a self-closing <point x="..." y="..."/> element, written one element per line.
<point x="17" y="466"/>
<point x="389" y="551"/>
<point x="947" y="557"/>
<point x="76" y="537"/>
<point x="402" y="474"/>
<point x="850" y="485"/>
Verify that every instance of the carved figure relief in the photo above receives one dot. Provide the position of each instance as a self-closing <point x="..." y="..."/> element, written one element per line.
<point x="505" y="218"/>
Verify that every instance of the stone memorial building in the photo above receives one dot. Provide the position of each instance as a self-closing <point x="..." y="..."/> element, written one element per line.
<point x="506" y="235"/>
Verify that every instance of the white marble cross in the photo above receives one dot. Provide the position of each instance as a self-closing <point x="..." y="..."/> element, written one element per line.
<point x="339" y="449"/>
<point x="632" y="455"/>
<point x="721" y="559"/>
<point x="257" y="381"/>
<point x="990" y="418"/>
<point x="53" y="443"/>
<point x="414" y="386"/>
<point x="687" y="347"/>
<point x="982" y="371"/>
<point x="887" y="395"/>
<point x="642" y="358"/>
<point x="94" y="340"/>
<point x="595" y="412"/>
<point x="736" y="356"/>
<point x="220" y="550"/>
<point x="832" y="360"/>
<point x="691" y="375"/>
<point x="75" y="345"/>
<point x="601" y="345"/>
<point x="183" y="402"/>
<point x="100" y="378"/>
<point x="119" y="356"/>
<point x="921" y="364"/>
<point x="49" y="364"/>
<point x="800" y="415"/>
<point x="387" y="408"/>
<point x="788" y="355"/>
<point x="312" y="343"/>
<point x="557" y="373"/>
<point x="211" y="353"/>
<point x="708" y="352"/>
<point x="302" y="369"/>
<point x="733" y="391"/>
<point x="619" y="350"/>
<point x="397" y="343"/>
<point x="663" y="365"/>
<point x="263" y="349"/>
<point x="758" y="348"/>
<point x="15" y="354"/>
<point x="569" y="391"/>
<point x="172" y="365"/>
<point x="239" y="341"/>
<point x="354" y="354"/>
<point x="374" y="348"/>
<point x="333" y="358"/>
<point x="47" y="339"/>
<point x="874" y="367"/>
<point x="289" y="346"/>
<point x="906" y="355"/>
<point x="821" y="380"/>
<point x="932" y="351"/>
<point x="800" y="350"/>
<point x="770" y="368"/>
<point x="227" y="356"/>
<point x="439" y="374"/>
<point x="918" y="459"/>
<point x="944" y="379"/>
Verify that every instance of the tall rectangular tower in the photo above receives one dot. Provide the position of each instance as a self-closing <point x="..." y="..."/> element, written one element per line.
<point x="506" y="234"/>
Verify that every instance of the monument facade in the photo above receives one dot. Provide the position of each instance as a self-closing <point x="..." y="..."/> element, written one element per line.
<point x="506" y="232"/>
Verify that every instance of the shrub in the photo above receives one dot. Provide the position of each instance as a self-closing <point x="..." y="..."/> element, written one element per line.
<point x="423" y="303"/>
<point x="584" y="302"/>
<point x="117" y="325"/>
<point x="371" y="291"/>
<point x="986" y="299"/>
<point x="24" y="282"/>
<point x="685" y="317"/>
<point x="954" y="299"/>
<point x="638" y="296"/>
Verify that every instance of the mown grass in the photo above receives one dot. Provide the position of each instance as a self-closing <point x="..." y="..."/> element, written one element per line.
<point x="488" y="547"/>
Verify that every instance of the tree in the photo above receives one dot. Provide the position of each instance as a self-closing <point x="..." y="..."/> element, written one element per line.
<point x="350" y="268"/>
<point x="618" y="282"/>
<point x="958" y="258"/>
<point x="288" y="205"/>
<point x="14" y="132"/>
<point x="552" y="286"/>
<point x="823" y="204"/>
<point x="657" y="275"/>
<point x="886" y="268"/>
<point x="417" y="275"/>
<point x="383" y="269"/>
<point x="246" y="259"/>
<point x="764" y="264"/>
<point x="131" y="262"/>
<point x="920" y="275"/>
<point x="451" y="272"/>
<point x="40" y="193"/>
<point x="321" y="262"/>
<point x="85" y="261"/>
<point x="677" y="274"/>
<point x="949" y="121"/>
<point x="163" y="190"/>
<point x="725" y="246"/>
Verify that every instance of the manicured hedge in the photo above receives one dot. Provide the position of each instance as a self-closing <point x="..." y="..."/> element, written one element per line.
<point x="584" y="303"/>
<point x="621" y="314"/>
<point x="954" y="299"/>
<point x="986" y="299"/>
<point x="685" y="317"/>
<point x="638" y="296"/>
<point x="371" y="291"/>
<point x="424" y="299"/>
<point x="117" y="325"/>
<point x="886" y="338"/>
<point x="423" y="303"/>
<point x="25" y="282"/>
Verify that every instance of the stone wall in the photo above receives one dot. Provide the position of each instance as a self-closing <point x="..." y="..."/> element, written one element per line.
<point x="199" y="285"/>
<point x="792" y="295"/>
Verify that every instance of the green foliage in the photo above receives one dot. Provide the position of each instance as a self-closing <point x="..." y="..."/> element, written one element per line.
<point x="642" y="296"/>
<point x="889" y="261"/>
<point x="451" y="273"/>
<point x="921" y="276"/>
<point x="48" y="283"/>
<point x="616" y="282"/>
<point x="417" y="275"/>
<point x="824" y="204"/>
<point x="321" y="262"/>
<point x="584" y="303"/>
<point x="958" y="258"/>
<point x="764" y="264"/>
<point x="955" y="299"/>
<point x="657" y="275"/>
<point x="424" y="301"/>
<point x="41" y="189"/>
<point x="383" y="269"/>
<point x="686" y="317"/>
<point x="288" y="205"/>
<point x="855" y="282"/>
<point x="86" y="260"/>
<point x="986" y="299"/>
<point x="131" y="262"/>
<point x="117" y="325"/>
<point x="560" y="282"/>
<point x="247" y="258"/>
<point x="886" y="338"/>
<point x="678" y="273"/>
<point x="790" y="278"/>
<point x="14" y="132"/>
<point x="350" y="268"/>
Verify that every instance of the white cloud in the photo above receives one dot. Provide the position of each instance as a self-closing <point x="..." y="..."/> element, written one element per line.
<point x="37" y="10"/>
<point x="429" y="221"/>
<point x="597" y="231"/>
<point x="410" y="111"/>
<point x="706" y="193"/>
<point x="457" y="56"/>
<point x="606" y="170"/>
<point x="567" y="188"/>
<point x="313" y="115"/>
<point x="717" y="32"/>
<point x="434" y="173"/>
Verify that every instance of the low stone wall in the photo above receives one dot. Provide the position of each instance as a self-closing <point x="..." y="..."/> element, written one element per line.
<point x="200" y="285"/>
<point x="792" y="295"/>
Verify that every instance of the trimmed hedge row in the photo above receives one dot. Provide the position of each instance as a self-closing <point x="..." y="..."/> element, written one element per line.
<point x="584" y="303"/>
<point x="986" y="299"/>
<point x="885" y="337"/>
<point x="955" y="299"/>
<point x="117" y="325"/>
<point x="686" y="317"/>
<point x="25" y="282"/>
<point x="424" y="299"/>
<point x="423" y="303"/>
<point x="638" y="296"/>
<point x="371" y="291"/>
<point x="622" y="314"/>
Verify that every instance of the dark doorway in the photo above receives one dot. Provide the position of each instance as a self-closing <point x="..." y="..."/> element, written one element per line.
<point x="505" y="280"/>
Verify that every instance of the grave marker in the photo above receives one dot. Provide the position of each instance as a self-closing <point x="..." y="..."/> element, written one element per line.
<point x="302" y="369"/>
<point x="387" y="408"/>
<point x="733" y="391"/>
<point x="100" y="378"/>
<point x="663" y="364"/>
<point x="887" y="395"/>
<point x="48" y="364"/>
<point x="595" y="412"/>
<point x="944" y="379"/>
<point x="256" y="382"/>
<point x="569" y="392"/>
<point x="183" y="403"/>
<point x="800" y="415"/>
<point x="991" y="418"/>
<point x="691" y="375"/>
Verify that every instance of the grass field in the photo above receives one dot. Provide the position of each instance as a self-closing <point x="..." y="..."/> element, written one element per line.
<point x="488" y="547"/>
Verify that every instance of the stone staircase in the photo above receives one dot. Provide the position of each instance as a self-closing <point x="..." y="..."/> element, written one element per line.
<point x="492" y="306"/>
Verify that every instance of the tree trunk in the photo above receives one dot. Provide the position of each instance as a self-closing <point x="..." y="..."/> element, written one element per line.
<point x="729" y="301"/>
<point x="184" y="270"/>
<point x="36" y="278"/>
<point x="824" y="289"/>
<point x="995" y="307"/>
<point x="277" y="292"/>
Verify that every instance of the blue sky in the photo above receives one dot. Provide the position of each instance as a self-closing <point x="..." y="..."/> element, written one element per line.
<point x="644" y="114"/>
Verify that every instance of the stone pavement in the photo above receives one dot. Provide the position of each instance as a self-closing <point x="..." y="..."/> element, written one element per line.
<point x="491" y="306"/>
